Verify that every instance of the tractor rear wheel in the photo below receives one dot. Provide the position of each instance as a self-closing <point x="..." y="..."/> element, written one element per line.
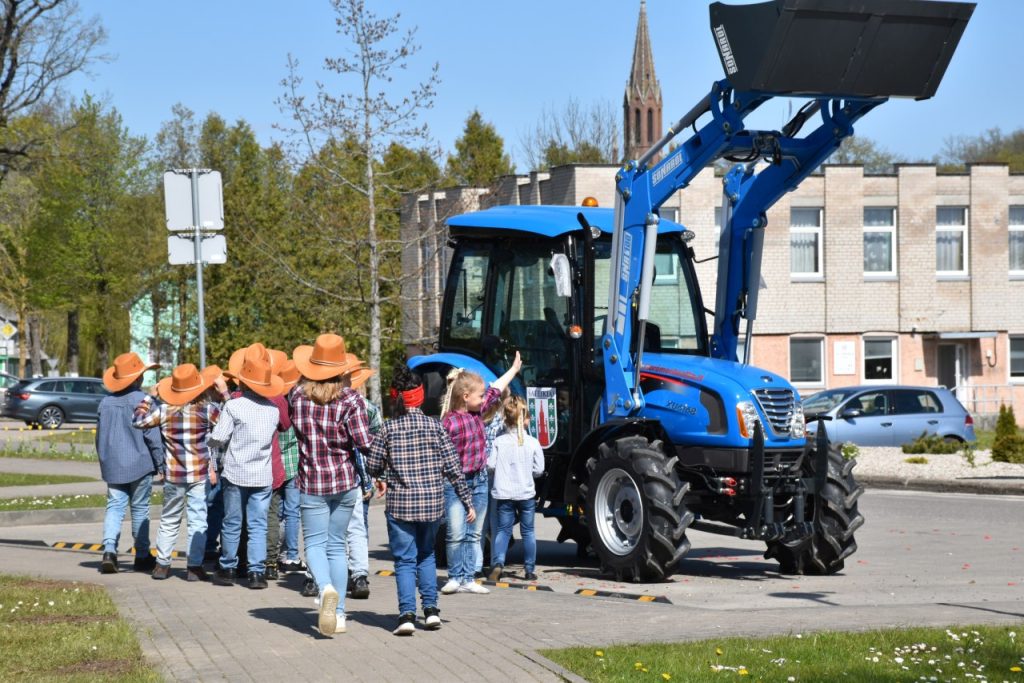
<point x="635" y="511"/>
<point x="833" y="511"/>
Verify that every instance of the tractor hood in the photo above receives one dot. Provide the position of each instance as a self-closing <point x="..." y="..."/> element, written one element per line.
<point x="695" y="398"/>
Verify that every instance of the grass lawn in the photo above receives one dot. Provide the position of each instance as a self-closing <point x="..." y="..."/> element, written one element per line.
<point x="96" y="500"/>
<point x="962" y="653"/>
<point x="65" y="631"/>
<point x="17" y="479"/>
<point x="39" y="451"/>
<point x="85" y="436"/>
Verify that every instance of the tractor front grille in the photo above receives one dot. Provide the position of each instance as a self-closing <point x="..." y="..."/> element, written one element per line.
<point x="778" y="406"/>
<point x="782" y="463"/>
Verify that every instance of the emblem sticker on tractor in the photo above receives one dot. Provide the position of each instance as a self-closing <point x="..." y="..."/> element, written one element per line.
<point x="542" y="402"/>
<point x="726" y="49"/>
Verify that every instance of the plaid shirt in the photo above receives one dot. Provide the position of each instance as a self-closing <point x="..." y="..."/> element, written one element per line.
<point x="468" y="434"/>
<point x="413" y="453"/>
<point x="287" y="441"/>
<point x="184" y="430"/>
<point x="327" y="436"/>
<point x="246" y="431"/>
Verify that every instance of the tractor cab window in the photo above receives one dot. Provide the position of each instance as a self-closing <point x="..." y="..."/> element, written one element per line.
<point x="464" y="321"/>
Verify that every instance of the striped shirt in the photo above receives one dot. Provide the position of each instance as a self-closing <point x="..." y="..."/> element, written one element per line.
<point x="414" y="454"/>
<point x="515" y="466"/>
<point x="126" y="454"/>
<point x="328" y="435"/>
<point x="246" y="430"/>
<point x="467" y="433"/>
<point x="184" y="430"/>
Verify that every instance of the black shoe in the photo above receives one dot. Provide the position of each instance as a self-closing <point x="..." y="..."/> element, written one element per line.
<point x="360" y="588"/>
<point x="146" y="563"/>
<point x="161" y="571"/>
<point x="257" y="580"/>
<point x="291" y="566"/>
<point x="224" y="577"/>
<point x="495" y="572"/>
<point x="272" y="573"/>
<point x="530" y="576"/>
<point x="309" y="589"/>
<point x="431" y="618"/>
<point x="109" y="563"/>
<point x="196" y="573"/>
<point x="406" y="625"/>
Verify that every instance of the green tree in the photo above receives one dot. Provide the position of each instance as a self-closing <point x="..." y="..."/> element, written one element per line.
<point x="991" y="146"/>
<point x="573" y="134"/>
<point x="858" y="149"/>
<point x="479" y="158"/>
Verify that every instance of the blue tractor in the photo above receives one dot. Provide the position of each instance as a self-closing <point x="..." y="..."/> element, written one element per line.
<point x="651" y="425"/>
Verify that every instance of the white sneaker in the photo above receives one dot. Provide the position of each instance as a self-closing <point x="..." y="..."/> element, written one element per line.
<point x="473" y="587"/>
<point x="340" y="626"/>
<point x="406" y="625"/>
<point x="432" y="622"/>
<point x="451" y="587"/>
<point x="328" y="619"/>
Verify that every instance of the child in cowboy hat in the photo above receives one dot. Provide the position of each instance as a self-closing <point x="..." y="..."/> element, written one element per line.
<point x="330" y="422"/>
<point x="247" y="429"/>
<point x="128" y="460"/>
<point x="283" y="553"/>
<point x="185" y="418"/>
<point x="358" y="536"/>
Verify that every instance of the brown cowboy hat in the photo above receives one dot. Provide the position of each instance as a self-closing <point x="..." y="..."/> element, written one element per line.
<point x="257" y="376"/>
<point x="186" y="383"/>
<point x="289" y="374"/>
<point x="127" y="368"/>
<point x="326" y="359"/>
<point x="258" y="351"/>
<point x="360" y="375"/>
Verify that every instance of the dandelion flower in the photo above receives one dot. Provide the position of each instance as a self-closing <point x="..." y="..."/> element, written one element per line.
<point x="743" y="672"/>
<point x="718" y="651"/>
<point x="599" y="653"/>
<point x="1015" y="669"/>
<point x="667" y="677"/>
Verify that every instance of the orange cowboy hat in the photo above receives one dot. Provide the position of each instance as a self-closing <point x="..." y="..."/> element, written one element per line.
<point x="326" y="359"/>
<point x="186" y="383"/>
<point x="289" y="374"/>
<point x="257" y="376"/>
<point x="360" y="375"/>
<point x="127" y="368"/>
<point x="272" y="356"/>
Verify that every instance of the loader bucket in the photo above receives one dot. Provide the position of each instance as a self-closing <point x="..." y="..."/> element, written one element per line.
<point x="839" y="48"/>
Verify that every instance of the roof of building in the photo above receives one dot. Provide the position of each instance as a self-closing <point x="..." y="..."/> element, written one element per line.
<point x="643" y="84"/>
<point x="548" y="221"/>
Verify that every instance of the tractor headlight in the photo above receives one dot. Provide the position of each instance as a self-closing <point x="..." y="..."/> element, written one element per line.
<point x="746" y="415"/>
<point x="798" y="426"/>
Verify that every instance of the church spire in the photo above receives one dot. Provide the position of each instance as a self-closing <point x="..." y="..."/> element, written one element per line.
<point x="642" y="101"/>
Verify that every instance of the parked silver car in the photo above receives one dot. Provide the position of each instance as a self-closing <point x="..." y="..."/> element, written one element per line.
<point x="52" y="401"/>
<point x="888" y="415"/>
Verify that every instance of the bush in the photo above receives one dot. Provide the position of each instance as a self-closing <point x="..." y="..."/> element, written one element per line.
<point x="916" y="460"/>
<point x="850" y="450"/>
<point x="931" y="443"/>
<point x="1008" y="445"/>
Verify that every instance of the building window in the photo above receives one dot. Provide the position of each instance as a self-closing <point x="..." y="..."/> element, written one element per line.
<point x="879" y="359"/>
<point x="669" y="213"/>
<point x="650" y="126"/>
<point x="805" y="361"/>
<point x="951" y="240"/>
<point x="1017" y="359"/>
<point x="1017" y="240"/>
<point x="636" y="127"/>
<point x="805" y="242"/>
<point x="666" y="269"/>
<point x="879" y="239"/>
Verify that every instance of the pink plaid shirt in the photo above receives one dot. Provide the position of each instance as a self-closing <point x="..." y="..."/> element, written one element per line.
<point x="327" y="436"/>
<point x="468" y="434"/>
<point x="184" y="430"/>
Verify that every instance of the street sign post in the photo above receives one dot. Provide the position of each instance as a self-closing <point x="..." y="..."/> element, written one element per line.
<point x="194" y="206"/>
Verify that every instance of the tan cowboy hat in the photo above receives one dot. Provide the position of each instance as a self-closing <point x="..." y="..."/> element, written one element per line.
<point x="257" y="351"/>
<point x="326" y="359"/>
<point x="127" y="368"/>
<point x="257" y="376"/>
<point x="289" y="374"/>
<point x="186" y="383"/>
<point x="360" y="375"/>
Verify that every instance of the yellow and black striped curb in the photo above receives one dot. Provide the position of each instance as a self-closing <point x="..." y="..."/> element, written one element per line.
<point x="496" y="584"/>
<point x="98" y="548"/>
<point x="591" y="593"/>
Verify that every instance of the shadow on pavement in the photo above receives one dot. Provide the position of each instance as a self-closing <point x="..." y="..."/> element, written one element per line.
<point x="381" y="621"/>
<point x="299" y="619"/>
<point x="810" y="596"/>
<point x="982" y="609"/>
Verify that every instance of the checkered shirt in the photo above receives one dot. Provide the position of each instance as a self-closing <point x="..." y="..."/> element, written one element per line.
<point x="287" y="441"/>
<point x="246" y="431"/>
<point x="184" y="431"/>
<point x="468" y="434"/>
<point x="414" y="454"/>
<point x="327" y="436"/>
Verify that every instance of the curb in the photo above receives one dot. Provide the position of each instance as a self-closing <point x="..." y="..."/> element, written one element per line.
<point x="943" y="485"/>
<point x="67" y="516"/>
<point x="557" y="669"/>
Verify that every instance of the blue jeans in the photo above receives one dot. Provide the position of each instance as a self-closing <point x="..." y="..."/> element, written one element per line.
<point x="214" y="516"/>
<point x="463" y="538"/>
<point x="256" y="501"/>
<point x="290" y="513"/>
<point x="412" y="546"/>
<point x="118" y="498"/>
<point x="324" y="526"/>
<point x="356" y="539"/>
<point x="176" y="498"/>
<point x="506" y="518"/>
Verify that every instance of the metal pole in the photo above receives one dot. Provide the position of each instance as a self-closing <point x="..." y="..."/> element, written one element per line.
<point x="198" y="238"/>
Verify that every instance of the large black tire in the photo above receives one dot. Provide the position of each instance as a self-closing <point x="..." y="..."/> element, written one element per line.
<point x="835" y="517"/>
<point x="635" y="511"/>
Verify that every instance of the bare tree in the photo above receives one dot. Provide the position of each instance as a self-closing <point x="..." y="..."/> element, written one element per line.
<point x="368" y="119"/>
<point x="576" y="133"/>
<point x="42" y="43"/>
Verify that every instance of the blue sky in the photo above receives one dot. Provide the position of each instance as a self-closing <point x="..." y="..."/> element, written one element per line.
<point x="510" y="60"/>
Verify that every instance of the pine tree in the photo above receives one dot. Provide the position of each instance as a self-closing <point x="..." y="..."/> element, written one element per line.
<point x="480" y="157"/>
<point x="1008" y="445"/>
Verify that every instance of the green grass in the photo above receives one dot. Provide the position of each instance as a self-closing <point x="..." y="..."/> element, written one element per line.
<point x="95" y="500"/>
<point x="37" y="451"/>
<point x="87" y="437"/>
<point x="984" y="437"/>
<point x="993" y="653"/>
<point x="18" y="479"/>
<point x="65" y="631"/>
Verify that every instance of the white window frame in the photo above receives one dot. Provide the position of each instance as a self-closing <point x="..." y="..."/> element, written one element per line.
<point x="963" y="230"/>
<point x="672" y="276"/>
<point x="891" y="230"/>
<point x="894" y="348"/>
<point x="1011" y="378"/>
<point x="803" y="230"/>
<point x="1012" y="229"/>
<point x="824" y="361"/>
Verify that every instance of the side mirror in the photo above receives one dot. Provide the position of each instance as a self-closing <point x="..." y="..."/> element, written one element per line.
<point x="562" y="272"/>
<point x="850" y="413"/>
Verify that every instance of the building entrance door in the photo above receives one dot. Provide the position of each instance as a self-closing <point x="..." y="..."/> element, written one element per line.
<point x="952" y="365"/>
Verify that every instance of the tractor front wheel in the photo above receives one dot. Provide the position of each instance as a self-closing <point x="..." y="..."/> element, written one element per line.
<point x="635" y="511"/>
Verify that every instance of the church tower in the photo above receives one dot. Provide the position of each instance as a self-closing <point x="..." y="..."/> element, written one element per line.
<point x="641" y="105"/>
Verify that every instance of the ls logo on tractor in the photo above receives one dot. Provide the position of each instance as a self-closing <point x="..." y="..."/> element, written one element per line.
<point x="541" y="402"/>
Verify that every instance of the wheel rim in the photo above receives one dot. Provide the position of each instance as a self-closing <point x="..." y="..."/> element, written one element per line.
<point x="619" y="513"/>
<point x="50" y="418"/>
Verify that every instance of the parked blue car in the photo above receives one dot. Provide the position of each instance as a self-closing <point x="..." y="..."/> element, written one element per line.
<point x="889" y="415"/>
<point x="52" y="401"/>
